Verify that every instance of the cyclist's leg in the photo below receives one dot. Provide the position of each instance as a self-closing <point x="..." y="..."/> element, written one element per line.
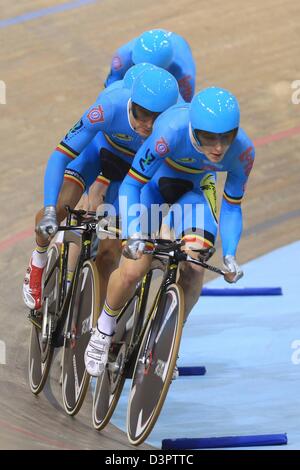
<point x="198" y="229"/>
<point x="109" y="249"/>
<point x="121" y="287"/>
<point x="122" y="280"/>
<point x="114" y="169"/>
<point x="87" y="166"/>
<point x="74" y="249"/>
<point x="96" y="193"/>
<point x="107" y="260"/>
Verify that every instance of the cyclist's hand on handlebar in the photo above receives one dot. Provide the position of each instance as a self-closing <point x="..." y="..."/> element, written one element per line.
<point x="101" y="228"/>
<point x="48" y="225"/>
<point x="234" y="270"/>
<point x="202" y="254"/>
<point x="136" y="247"/>
<point x="205" y="253"/>
<point x="107" y="226"/>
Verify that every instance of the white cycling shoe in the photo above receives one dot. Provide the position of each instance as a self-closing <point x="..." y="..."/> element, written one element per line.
<point x="96" y="353"/>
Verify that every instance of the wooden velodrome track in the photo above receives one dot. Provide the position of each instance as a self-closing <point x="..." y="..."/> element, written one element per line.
<point x="53" y="67"/>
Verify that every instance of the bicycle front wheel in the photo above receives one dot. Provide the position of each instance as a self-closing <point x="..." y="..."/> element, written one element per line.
<point x="155" y="364"/>
<point x="82" y="317"/>
<point x="110" y="384"/>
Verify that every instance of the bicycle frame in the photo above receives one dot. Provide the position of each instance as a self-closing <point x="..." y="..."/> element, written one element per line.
<point x="87" y="227"/>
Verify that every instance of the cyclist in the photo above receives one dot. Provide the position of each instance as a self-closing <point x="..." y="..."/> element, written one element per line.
<point x="162" y="48"/>
<point x="174" y="165"/>
<point x="98" y="189"/>
<point x="121" y="119"/>
<point x="159" y="47"/>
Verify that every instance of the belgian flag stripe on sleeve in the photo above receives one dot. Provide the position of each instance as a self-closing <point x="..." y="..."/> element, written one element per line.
<point x="232" y="199"/>
<point x="138" y="176"/>
<point x="66" y="150"/>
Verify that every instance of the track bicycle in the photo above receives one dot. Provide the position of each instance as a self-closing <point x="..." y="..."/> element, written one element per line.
<point x="67" y="314"/>
<point x="146" y="344"/>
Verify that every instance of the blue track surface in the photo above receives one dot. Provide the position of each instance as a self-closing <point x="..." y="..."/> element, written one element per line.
<point x="251" y="385"/>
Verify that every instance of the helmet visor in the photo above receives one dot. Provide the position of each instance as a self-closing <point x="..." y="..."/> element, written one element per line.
<point x="142" y="114"/>
<point x="205" y="138"/>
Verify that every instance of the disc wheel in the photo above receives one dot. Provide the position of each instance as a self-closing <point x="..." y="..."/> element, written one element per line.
<point x="155" y="364"/>
<point x="82" y="317"/>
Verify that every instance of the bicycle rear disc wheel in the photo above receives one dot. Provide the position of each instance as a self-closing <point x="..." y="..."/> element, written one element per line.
<point x="154" y="366"/>
<point x="82" y="317"/>
<point x="41" y="349"/>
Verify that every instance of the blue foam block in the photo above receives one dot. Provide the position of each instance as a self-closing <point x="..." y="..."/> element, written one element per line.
<point x="242" y="291"/>
<point x="222" y="442"/>
<point x="192" y="370"/>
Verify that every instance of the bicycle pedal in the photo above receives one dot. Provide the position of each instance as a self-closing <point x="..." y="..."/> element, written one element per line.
<point x="113" y="367"/>
<point x="35" y="318"/>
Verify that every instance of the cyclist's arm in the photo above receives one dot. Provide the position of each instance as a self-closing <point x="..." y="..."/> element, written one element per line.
<point x="187" y="87"/>
<point x="183" y="67"/>
<point x="95" y="119"/>
<point x="185" y="80"/>
<point x="231" y="220"/>
<point x="120" y="63"/>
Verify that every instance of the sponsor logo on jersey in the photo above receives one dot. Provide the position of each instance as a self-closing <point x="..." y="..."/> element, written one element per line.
<point x="96" y="115"/>
<point x="185" y="87"/>
<point x="146" y="162"/>
<point x="247" y="157"/>
<point x="186" y="160"/>
<point x="124" y="137"/>
<point x="161" y="147"/>
<point x="75" y="128"/>
<point x="208" y="186"/>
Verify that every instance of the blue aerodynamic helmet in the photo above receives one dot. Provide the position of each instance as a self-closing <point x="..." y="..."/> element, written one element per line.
<point x="155" y="90"/>
<point x="154" y="47"/>
<point x="134" y="72"/>
<point x="214" y="110"/>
